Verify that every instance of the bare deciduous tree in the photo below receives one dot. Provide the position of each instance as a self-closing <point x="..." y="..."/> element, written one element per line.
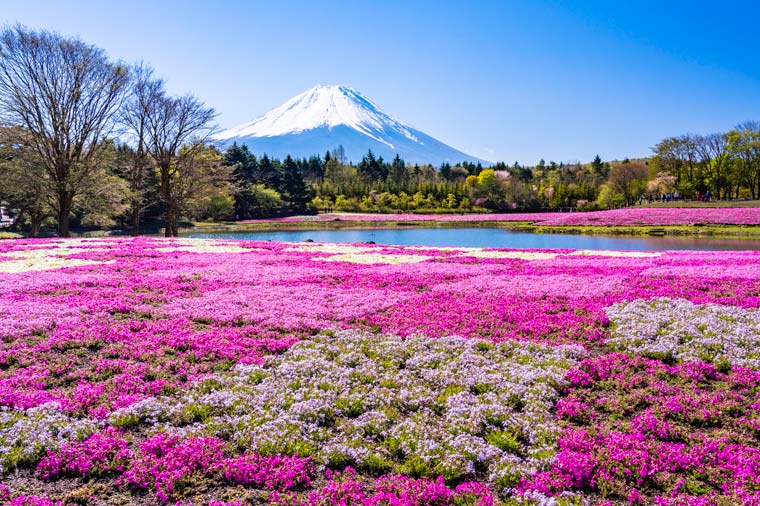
<point x="66" y="94"/>
<point x="176" y="124"/>
<point x="136" y="163"/>
<point x="629" y="179"/>
<point x="715" y="160"/>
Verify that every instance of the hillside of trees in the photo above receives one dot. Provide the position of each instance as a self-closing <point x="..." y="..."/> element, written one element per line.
<point x="715" y="166"/>
<point x="89" y="142"/>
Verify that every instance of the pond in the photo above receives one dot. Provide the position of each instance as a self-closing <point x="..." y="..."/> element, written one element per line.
<point x="490" y="238"/>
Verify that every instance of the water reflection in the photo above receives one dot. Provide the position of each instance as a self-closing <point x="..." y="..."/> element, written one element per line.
<point x="492" y="238"/>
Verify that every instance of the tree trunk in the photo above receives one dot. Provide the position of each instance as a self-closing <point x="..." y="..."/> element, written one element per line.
<point x="170" y="220"/>
<point x="35" y="223"/>
<point x="136" y="220"/>
<point x="64" y="213"/>
<point x="170" y="227"/>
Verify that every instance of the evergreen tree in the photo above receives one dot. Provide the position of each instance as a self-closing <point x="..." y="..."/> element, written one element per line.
<point x="445" y="171"/>
<point x="598" y="167"/>
<point x="268" y="173"/>
<point x="370" y="168"/>
<point x="235" y="155"/>
<point x="314" y="169"/>
<point x="243" y="161"/>
<point x="293" y="185"/>
<point x="397" y="174"/>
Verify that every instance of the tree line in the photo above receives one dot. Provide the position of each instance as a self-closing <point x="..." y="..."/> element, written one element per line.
<point x="720" y="165"/>
<point x="86" y="138"/>
<point x="727" y="164"/>
<point x="88" y="141"/>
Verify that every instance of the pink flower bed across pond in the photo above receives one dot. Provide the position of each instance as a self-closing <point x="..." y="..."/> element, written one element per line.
<point x="634" y="216"/>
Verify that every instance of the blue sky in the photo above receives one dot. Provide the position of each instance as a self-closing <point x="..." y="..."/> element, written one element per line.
<point x="501" y="80"/>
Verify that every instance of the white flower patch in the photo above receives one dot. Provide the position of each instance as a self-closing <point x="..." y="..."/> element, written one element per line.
<point x="438" y="248"/>
<point x="27" y="435"/>
<point x="520" y="255"/>
<point x="191" y="245"/>
<point x="374" y="258"/>
<point x="464" y="409"/>
<point x="84" y="241"/>
<point x="685" y="331"/>
<point x="54" y="256"/>
<point x="331" y="248"/>
<point x="57" y="251"/>
<point x="205" y="248"/>
<point x="615" y="254"/>
<point x="44" y="264"/>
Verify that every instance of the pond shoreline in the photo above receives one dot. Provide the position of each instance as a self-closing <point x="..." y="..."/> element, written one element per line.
<point x="711" y="230"/>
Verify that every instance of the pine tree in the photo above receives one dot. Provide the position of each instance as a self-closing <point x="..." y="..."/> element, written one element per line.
<point x="313" y="169"/>
<point x="244" y="162"/>
<point x="268" y="173"/>
<point x="598" y="167"/>
<point x="397" y="174"/>
<point x="445" y="171"/>
<point x="371" y="168"/>
<point x="293" y="185"/>
<point x="244" y="176"/>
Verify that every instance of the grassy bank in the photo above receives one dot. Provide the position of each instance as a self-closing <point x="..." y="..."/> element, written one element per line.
<point x="719" y="231"/>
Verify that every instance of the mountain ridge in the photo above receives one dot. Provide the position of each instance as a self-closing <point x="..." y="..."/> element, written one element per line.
<point x="327" y="116"/>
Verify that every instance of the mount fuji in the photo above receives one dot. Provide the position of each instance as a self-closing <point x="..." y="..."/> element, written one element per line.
<point x="325" y="117"/>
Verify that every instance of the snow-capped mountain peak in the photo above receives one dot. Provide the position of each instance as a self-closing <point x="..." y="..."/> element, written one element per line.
<point x="324" y="117"/>
<point x="322" y="106"/>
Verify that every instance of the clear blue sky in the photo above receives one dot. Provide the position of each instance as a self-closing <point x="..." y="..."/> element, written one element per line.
<point x="501" y="80"/>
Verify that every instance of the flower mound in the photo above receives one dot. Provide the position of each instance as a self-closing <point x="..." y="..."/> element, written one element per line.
<point x="684" y="434"/>
<point x="680" y="330"/>
<point x="396" y="490"/>
<point x="452" y="407"/>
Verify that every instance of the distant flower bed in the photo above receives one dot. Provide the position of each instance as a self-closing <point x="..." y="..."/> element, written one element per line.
<point x="237" y="372"/>
<point x="634" y="216"/>
<point x="680" y="330"/>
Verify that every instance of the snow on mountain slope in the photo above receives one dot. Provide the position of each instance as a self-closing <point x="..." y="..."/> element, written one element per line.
<point x="324" y="117"/>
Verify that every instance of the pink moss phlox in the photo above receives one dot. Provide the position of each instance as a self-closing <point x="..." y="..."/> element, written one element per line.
<point x="165" y="462"/>
<point x="101" y="453"/>
<point x="395" y="490"/>
<point x="274" y="472"/>
<point x="644" y="431"/>
<point x="33" y="500"/>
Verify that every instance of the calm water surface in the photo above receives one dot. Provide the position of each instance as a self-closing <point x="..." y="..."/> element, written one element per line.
<point x="490" y="238"/>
